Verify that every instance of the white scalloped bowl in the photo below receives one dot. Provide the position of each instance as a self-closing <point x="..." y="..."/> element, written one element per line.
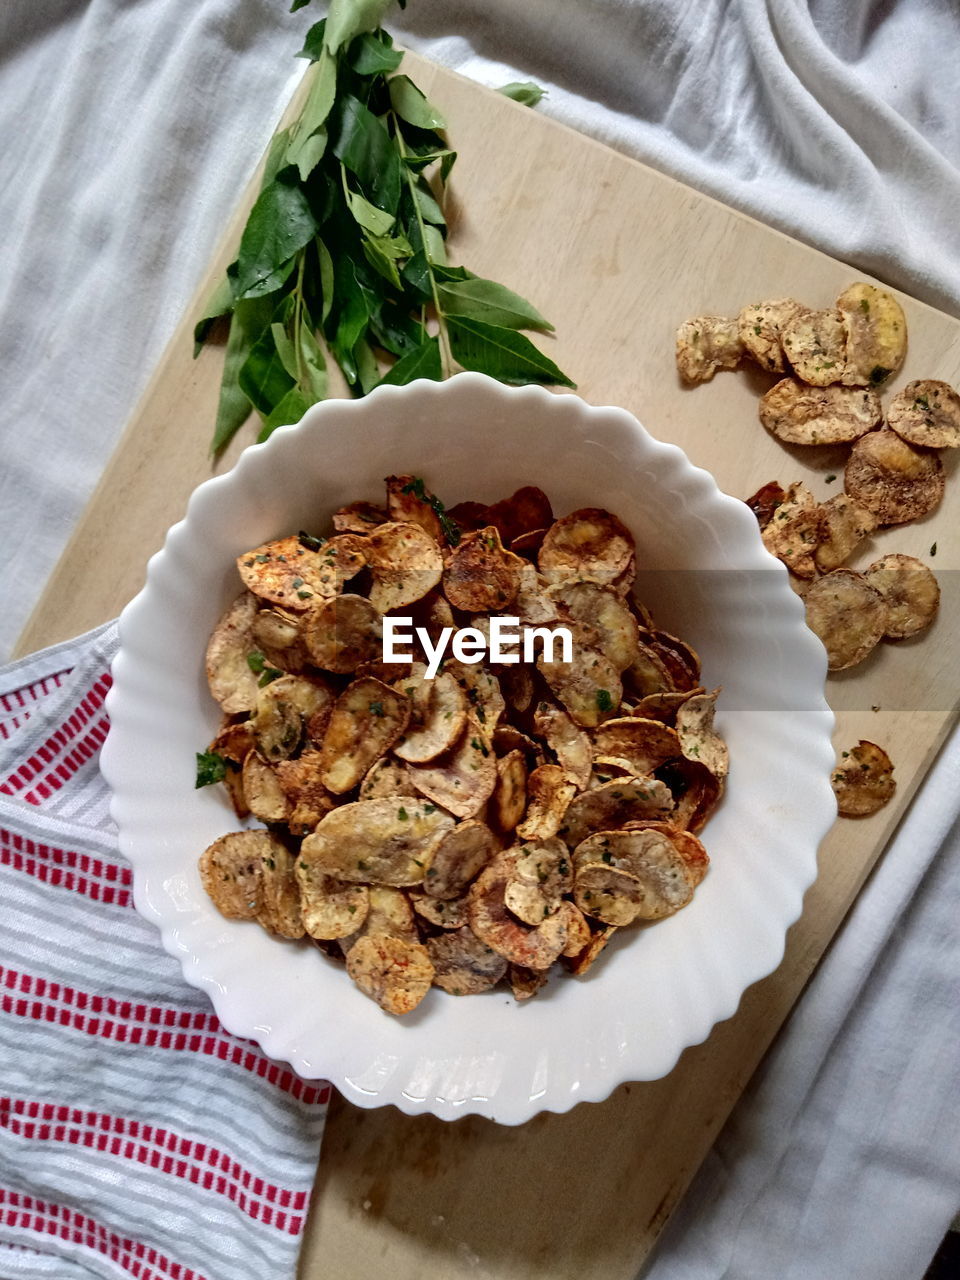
<point x="655" y="990"/>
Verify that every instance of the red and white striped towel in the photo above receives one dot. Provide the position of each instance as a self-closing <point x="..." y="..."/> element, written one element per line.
<point x="137" y="1136"/>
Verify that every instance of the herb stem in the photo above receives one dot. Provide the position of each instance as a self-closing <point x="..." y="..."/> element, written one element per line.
<point x="446" y="355"/>
<point x="298" y="321"/>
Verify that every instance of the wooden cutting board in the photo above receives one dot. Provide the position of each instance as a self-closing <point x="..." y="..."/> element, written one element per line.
<point x="616" y="255"/>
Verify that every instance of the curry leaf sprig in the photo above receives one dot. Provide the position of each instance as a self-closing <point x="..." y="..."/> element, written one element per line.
<point x="344" y="253"/>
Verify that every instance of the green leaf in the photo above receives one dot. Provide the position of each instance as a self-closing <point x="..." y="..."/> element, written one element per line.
<point x="313" y="42"/>
<point x="377" y="221"/>
<point x="523" y="91"/>
<point x="314" y="364"/>
<point x="250" y="318"/>
<point x="354" y="309"/>
<point x="349" y="18"/>
<point x="211" y="768"/>
<point x="290" y="410"/>
<point x="434" y="245"/>
<point x="298" y="4"/>
<point x="430" y="211"/>
<point x="375" y="56"/>
<point x="417" y="164"/>
<point x="263" y="379"/>
<point x="366" y="148"/>
<point x="395" y="330"/>
<point x="275" y="156"/>
<point x="410" y="104"/>
<point x="502" y="353"/>
<point x="368" y="373"/>
<point x="219" y="304"/>
<point x="421" y="362"/>
<point x="309" y="140"/>
<point x="285" y="348"/>
<point x="326" y="279"/>
<point x="383" y="262"/>
<point x="417" y="274"/>
<point x="492" y="302"/>
<point x="280" y="223"/>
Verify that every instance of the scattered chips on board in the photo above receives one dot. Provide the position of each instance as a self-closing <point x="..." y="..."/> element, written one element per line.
<point x="436" y="832"/>
<point x="863" y="780"/>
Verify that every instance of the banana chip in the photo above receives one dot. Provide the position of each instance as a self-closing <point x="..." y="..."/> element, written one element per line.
<point x="587" y="544"/>
<point x="383" y="842"/>
<point x="566" y="740"/>
<point x="927" y="414"/>
<point x="390" y="915"/>
<point x="876" y="331"/>
<point x="510" y="797"/>
<point x="760" y="328"/>
<point x="532" y="946"/>
<point x="648" y="673"/>
<point x="444" y="719"/>
<point x="463" y="965"/>
<point x="659" y="883"/>
<point x="276" y="634"/>
<point x="480" y="576"/>
<point x="302" y="781"/>
<point x="518" y="687"/>
<point x="664" y="706"/>
<point x="388" y="777"/>
<point x="231" y="679"/>
<point x="342" y="633"/>
<point x="815" y="343"/>
<point x="848" y="615"/>
<point x="280" y="911"/>
<point x="484" y="697"/>
<point x="706" y="344"/>
<point x="699" y="740"/>
<point x="793" y="533"/>
<point x="601" y="608"/>
<point x="283" y="708"/>
<point x="643" y="744"/>
<point x="892" y="479"/>
<point x="540" y="877"/>
<point x="524" y="511"/>
<point x="443" y="913"/>
<point x="589" y="686"/>
<point x="290" y="574"/>
<point x="578" y="930"/>
<point x="533" y="604"/>
<point x="359" y="517"/>
<point x="408" y="502"/>
<point x="234" y="743"/>
<point x="549" y="791"/>
<point x="695" y="790"/>
<point x="245" y="874"/>
<point x="332" y="908"/>
<point x="863" y="780"/>
<point x="843" y="526"/>
<point x="525" y="983"/>
<point x="463" y="779"/>
<point x="909" y="590"/>
<point x="405" y="565"/>
<point x="458" y="857"/>
<point x="612" y="805"/>
<point x="585" y="959"/>
<point x="366" y="720"/>
<point x="765" y="501"/>
<point x="690" y="849"/>
<point x="265" y="797"/>
<point x="798" y="414"/>
<point x="680" y="659"/>
<point x="529" y="544"/>
<point x="395" y="973"/>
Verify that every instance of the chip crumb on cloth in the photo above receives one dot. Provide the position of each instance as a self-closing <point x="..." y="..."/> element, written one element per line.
<point x="431" y="819"/>
<point x="122" y="1091"/>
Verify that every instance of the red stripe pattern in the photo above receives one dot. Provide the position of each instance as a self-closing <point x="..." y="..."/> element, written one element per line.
<point x="57" y="759"/>
<point x="107" y="882"/>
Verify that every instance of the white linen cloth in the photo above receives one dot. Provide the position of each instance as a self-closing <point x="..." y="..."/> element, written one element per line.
<point x="128" y="131"/>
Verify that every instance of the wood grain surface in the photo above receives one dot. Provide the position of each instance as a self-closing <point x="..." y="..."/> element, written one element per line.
<point x="616" y="255"/>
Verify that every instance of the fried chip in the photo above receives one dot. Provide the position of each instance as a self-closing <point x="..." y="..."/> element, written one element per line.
<point x="265" y="797"/>
<point x="699" y="740"/>
<point x="589" y="686"/>
<point x="458" y="857"/>
<point x="608" y="894"/>
<point x="384" y="842"/>
<point x="283" y="708"/>
<point x="232" y="681"/>
<point x="578" y="930"/>
<point x="405" y="565"/>
<point x="686" y="844"/>
<point x="863" y="780"/>
<point x="533" y="604"/>
<point x="276" y="634"/>
<point x="566" y="740"/>
<point x="664" y="706"/>
<point x="926" y="413"/>
<point x="280" y="911"/>
<point x="525" y="983"/>
<point x="287" y="573"/>
<point x="585" y="959"/>
<point x="706" y="344"/>
<point x="910" y="591"/>
<point x="529" y="544"/>
<point x="532" y="946"/>
<point x="612" y="805"/>
<point x="388" y="777"/>
<point x="463" y="779"/>
<point x="463" y="965"/>
<point x="815" y="343"/>
<point x="648" y="673"/>
<point x="589" y="544"/>
<point x="234" y="870"/>
<point x="302" y="781"/>
<point x="391" y="915"/>
<point x="876" y="331"/>
<point x="798" y="414"/>
<point x="892" y="479"/>
<point x="540" y="877"/>
<point x="444" y="719"/>
<point x="518" y="688"/>
<point x="234" y="742"/>
<point x="395" y="973"/>
<point x="848" y="615"/>
<point x="480" y="576"/>
<point x="549" y="791"/>
<point x="793" y="533"/>
<point x="331" y="908"/>
<point x="765" y="501"/>
<point x="843" y="526"/>
<point x="507" y="738"/>
<point x="342" y="633"/>
<point x="484" y="697"/>
<point x="523" y="512"/>
<point x="695" y="790"/>
<point x="469" y="515"/>
<point x="604" y="610"/>
<point x="409" y="502"/>
<point x="366" y="720"/>
<point x="644" y="744"/>
<point x="680" y="659"/>
<point x="510" y="797"/>
<point x="442" y="913"/>
<point x="665" y="884"/>
<point x="359" y="517"/>
<point x="760" y="328"/>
